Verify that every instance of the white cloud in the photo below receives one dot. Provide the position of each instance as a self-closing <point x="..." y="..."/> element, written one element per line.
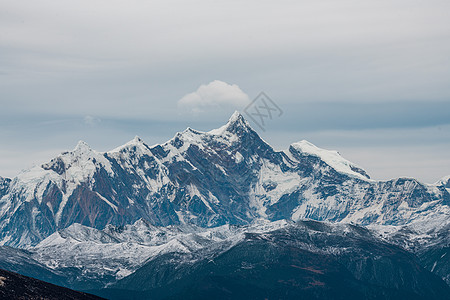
<point x="216" y="94"/>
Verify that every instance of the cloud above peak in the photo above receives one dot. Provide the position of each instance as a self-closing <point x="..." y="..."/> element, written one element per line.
<point x="216" y="94"/>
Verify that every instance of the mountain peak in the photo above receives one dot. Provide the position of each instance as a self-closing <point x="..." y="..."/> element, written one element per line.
<point x="82" y="146"/>
<point x="445" y="181"/>
<point x="235" y="123"/>
<point x="236" y="117"/>
<point x="332" y="158"/>
<point x="137" y="140"/>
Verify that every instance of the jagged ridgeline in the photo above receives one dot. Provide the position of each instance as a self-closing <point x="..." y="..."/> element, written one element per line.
<point x="207" y="179"/>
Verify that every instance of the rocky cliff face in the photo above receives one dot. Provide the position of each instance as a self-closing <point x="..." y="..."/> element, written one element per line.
<point x="225" y="176"/>
<point x="4" y="185"/>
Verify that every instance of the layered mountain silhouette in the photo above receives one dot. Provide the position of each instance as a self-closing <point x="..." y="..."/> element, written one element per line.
<point x="225" y="176"/>
<point x="123" y="218"/>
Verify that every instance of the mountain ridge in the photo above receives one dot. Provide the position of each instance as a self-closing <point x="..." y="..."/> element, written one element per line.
<point x="303" y="259"/>
<point x="227" y="175"/>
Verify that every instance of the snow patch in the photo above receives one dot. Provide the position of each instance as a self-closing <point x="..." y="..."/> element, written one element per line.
<point x="114" y="207"/>
<point x="238" y="158"/>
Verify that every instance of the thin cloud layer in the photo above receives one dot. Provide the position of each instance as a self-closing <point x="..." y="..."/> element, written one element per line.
<point x="216" y="94"/>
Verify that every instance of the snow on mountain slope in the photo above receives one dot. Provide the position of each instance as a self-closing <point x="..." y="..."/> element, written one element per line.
<point x="103" y="256"/>
<point x="205" y="179"/>
<point x="332" y="158"/>
<point x="4" y="185"/>
<point x="445" y="181"/>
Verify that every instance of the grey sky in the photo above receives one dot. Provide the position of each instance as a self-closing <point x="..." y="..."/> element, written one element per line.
<point x="367" y="78"/>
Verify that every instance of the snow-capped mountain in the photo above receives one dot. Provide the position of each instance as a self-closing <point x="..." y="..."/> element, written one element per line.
<point x="93" y="220"/>
<point x="206" y="179"/>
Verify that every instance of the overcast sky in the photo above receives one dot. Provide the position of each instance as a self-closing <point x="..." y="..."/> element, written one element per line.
<point x="370" y="79"/>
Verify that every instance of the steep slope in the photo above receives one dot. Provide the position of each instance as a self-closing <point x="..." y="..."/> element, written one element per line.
<point x="436" y="256"/>
<point x="445" y="182"/>
<point x="309" y="259"/>
<point x="225" y="176"/>
<point x="4" y="185"/>
<point x="21" y="261"/>
<point x="16" y="286"/>
<point x="428" y="239"/>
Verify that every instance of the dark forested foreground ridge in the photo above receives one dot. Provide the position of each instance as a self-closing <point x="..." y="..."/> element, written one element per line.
<point x="220" y="213"/>
<point x="16" y="286"/>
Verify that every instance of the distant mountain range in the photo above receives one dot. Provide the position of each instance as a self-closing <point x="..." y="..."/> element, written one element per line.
<point x="115" y="219"/>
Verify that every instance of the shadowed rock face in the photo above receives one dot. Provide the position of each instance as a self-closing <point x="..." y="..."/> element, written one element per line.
<point x="4" y="185"/>
<point x="226" y="176"/>
<point x="434" y="254"/>
<point x="308" y="259"/>
<point x="15" y="286"/>
<point x="437" y="260"/>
